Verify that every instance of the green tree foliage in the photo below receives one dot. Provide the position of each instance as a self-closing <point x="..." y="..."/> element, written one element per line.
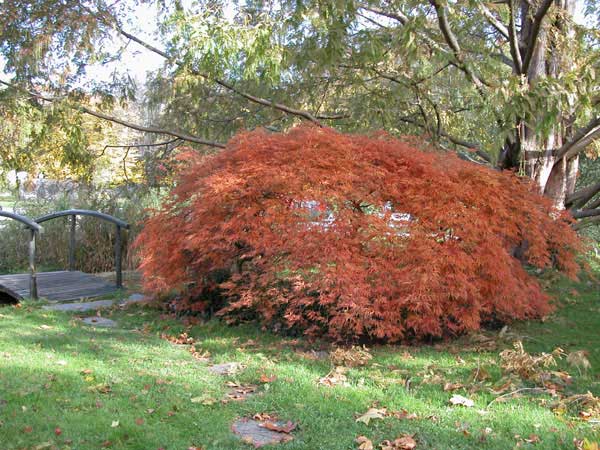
<point x="513" y="80"/>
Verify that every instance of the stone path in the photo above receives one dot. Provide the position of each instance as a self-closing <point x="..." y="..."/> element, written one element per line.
<point x="99" y="322"/>
<point x="92" y="306"/>
<point x="230" y="368"/>
<point x="260" y="433"/>
<point x="256" y="431"/>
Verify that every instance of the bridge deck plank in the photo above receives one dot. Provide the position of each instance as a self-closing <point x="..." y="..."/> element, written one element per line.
<point x="57" y="286"/>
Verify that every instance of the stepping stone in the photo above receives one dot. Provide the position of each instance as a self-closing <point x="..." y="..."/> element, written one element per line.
<point x="254" y="432"/>
<point x="229" y="368"/>
<point x="85" y="306"/>
<point x="239" y="392"/>
<point x="134" y="298"/>
<point x="99" y="322"/>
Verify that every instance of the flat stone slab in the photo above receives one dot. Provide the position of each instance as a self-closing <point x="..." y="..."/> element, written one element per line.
<point x="91" y="306"/>
<point x="229" y="368"/>
<point x="85" y="306"/>
<point x="134" y="298"/>
<point x="99" y="322"/>
<point x="256" y="433"/>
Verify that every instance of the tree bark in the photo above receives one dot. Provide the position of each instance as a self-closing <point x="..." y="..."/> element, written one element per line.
<point x="528" y="151"/>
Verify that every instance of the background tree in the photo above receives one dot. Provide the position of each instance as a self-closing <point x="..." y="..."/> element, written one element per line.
<point x="512" y="80"/>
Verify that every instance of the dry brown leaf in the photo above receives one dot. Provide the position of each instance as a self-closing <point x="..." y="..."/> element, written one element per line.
<point x="404" y="442"/>
<point x="364" y="443"/>
<point x="403" y="414"/>
<point x="274" y="426"/>
<point x="579" y="360"/>
<point x="528" y="366"/>
<point x="372" y="413"/>
<point x="351" y="357"/>
<point x="452" y="386"/>
<point x="336" y="377"/>
<point x="264" y="378"/>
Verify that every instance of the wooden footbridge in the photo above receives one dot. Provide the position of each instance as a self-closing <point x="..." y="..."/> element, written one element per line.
<point x="61" y="285"/>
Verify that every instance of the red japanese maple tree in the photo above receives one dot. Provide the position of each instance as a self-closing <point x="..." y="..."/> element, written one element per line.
<point x="352" y="237"/>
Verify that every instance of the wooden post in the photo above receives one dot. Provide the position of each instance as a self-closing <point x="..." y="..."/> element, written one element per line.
<point x="33" y="293"/>
<point x="118" y="269"/>
<point x="72" y="243"/>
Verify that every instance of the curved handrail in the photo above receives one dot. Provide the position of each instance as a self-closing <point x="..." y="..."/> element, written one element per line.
<point x="73" y="213"/>
<point x="31" y="224"/>
<point x="83" y="212"/>
<point x="34" y="231"/>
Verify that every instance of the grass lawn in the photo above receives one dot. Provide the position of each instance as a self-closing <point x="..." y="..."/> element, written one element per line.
<point x="7" y="202"/>
<point x="66" y="385"/>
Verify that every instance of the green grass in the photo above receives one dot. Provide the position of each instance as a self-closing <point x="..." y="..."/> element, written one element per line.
<point x="7" y="202"/>
<point x="56" y="372"/>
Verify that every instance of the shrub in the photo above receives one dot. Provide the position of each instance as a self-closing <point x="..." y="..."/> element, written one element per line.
<point x="352" y="237"/>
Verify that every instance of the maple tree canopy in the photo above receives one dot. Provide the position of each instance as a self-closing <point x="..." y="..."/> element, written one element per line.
<point x="352" y="237"/>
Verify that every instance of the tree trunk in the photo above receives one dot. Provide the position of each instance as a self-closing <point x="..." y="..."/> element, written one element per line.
<point x="531" y="153"/>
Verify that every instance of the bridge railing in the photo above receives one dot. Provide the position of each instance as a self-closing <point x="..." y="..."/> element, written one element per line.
<point x="73" y="213"/>
<point x="34" y="231"/>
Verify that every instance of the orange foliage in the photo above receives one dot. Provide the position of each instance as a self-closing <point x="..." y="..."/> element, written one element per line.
<point x="352" y="237"/>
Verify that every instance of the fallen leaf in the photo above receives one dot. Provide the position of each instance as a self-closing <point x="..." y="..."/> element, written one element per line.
<point x="267" y="379"/>
<point x="403" y="414"/>
<point x="533" y="439"/>
<point x="404" y="442"/>
<point x="27" y="429"/>
<point x="463" y="401"/>
<point x="285" y="428"/>
<point x="139" y="421"/>
<point x="335" y="377"/>
<point x="372" y="413"/>
<point x="453" y="386"/>
<point x="364" y="443"/>
<point x="263" y="416"/>
<point x="579" y="360"/>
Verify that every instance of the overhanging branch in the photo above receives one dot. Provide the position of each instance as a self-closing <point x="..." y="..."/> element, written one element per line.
<point x="133" y="126"/>
<point x="230" y="87"/>
<point x="579" y="198"/>
<point x="494" y="21"/>
<point x="460" y="142"/>
<point x="452" y="42"/>
<point x="580" y="140"/>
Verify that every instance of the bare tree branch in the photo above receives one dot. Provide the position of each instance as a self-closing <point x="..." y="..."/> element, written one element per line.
<point x="100" y="115"/>
<point x="579" y="198"/>
<point x="586" y="213"/>
<point x="580" y="140"/>
<point x="399" y="16"/>
<point x="493" y="20"/>
<point x="585" y="223"/>
<point x="452" y="42"/>
<point x="515" y="51"/>
<point x="259" y="100"/>
<point x="460" y="142"/>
